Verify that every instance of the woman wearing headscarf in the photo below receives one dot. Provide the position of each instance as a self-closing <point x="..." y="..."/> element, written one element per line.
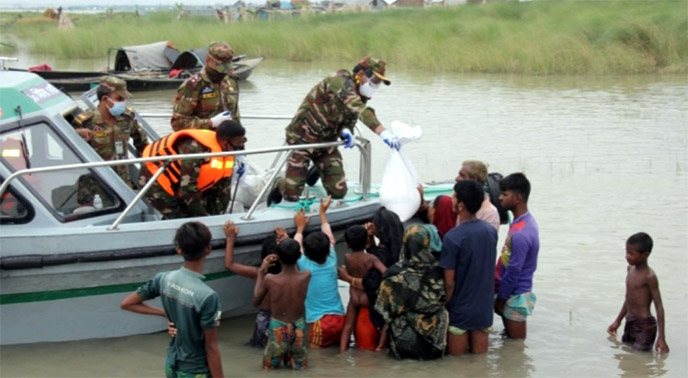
<point x="441" y="213"/>
<point x="411" y="300"/>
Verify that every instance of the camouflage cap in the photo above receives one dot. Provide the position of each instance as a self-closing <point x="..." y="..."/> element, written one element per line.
<point x="221" y="54"/>
<point x="115" y="84"/>
<point x="378" y="67"/>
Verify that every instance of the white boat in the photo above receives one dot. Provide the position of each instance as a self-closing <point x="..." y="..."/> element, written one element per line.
<point x="64" y="270"/>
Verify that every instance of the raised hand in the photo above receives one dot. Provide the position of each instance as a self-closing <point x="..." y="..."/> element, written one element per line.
<point x="281" y="234"/>
<point x="301" y="221"/>
<point x="325" y="204"/>
<point x="231" y="231"/>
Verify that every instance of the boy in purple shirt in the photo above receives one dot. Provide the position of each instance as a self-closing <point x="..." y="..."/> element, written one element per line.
<point x="517" y="264"/>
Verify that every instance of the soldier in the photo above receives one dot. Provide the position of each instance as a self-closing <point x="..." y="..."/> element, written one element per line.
<point x="108" y="128"/>
<point x="211" y="96"/>
<point x="189" y="188"/>
<point x="330" y="111"/>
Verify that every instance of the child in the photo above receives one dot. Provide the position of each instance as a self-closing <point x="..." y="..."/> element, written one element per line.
<point x="188" y="303"/>
<point x="324" y="309"/>
<point x="259" y="338"/>
<point x="468" y="255"/>
<point x="642" y="288"/>
<point x="358" y="265"/>
<point x="287" y="292"/>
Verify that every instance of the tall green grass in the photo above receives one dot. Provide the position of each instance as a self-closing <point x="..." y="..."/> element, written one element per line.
<point x="539" y="37"/>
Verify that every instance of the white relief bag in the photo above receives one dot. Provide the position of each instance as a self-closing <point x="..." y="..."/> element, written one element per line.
<point x="399" y="187"/>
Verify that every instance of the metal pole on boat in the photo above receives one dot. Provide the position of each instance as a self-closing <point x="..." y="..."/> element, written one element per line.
<point x="268" y="185"/>
<point x="139" y="195"/>
<point x="243" y="116"/>
<point x="364" y="166"/>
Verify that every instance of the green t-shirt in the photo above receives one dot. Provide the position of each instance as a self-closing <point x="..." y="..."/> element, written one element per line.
<point x="193" y="307"/>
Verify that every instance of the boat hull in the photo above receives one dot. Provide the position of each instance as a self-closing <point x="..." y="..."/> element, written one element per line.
<point x="80" y="81"/>
<point x="72" y="289"/>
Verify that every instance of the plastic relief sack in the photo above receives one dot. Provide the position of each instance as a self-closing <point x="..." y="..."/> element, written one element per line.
<point x="250" y="184"/>
<point x="399" y="188"/>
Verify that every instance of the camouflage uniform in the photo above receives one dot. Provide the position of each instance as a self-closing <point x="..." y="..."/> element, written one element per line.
<point x="333" y="104"/>
<point x="105" y="137"/>
<point x="111" y="142"/>
<point x="190" y="202"/>
<point x="199" y="98"/>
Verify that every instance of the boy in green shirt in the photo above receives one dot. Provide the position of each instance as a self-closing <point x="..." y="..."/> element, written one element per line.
<point x="189" y="304"/>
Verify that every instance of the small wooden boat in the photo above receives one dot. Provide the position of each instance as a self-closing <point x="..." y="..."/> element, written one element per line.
<point x="144" y="67"/>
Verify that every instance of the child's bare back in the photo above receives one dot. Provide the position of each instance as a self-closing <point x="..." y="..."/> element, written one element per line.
<point x="287" y="292"/>
<point x="358" y="265"/>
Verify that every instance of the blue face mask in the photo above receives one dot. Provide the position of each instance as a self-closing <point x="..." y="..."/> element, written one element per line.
<point x="117" y="107"/>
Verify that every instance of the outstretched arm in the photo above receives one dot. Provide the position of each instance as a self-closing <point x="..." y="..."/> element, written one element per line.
<point x="231" y="232"/>
<point x="324" y="224"/>
<point x="301" y="222"/>
<point x="661" y="345"/>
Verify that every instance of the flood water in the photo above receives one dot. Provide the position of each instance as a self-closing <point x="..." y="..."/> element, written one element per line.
<point x="606" y="157"/>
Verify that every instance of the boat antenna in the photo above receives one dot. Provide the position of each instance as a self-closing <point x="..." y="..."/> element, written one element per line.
<point x="25" y="150"/>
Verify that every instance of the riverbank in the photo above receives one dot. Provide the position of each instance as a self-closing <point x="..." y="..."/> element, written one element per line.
<point x="542" y="37"/>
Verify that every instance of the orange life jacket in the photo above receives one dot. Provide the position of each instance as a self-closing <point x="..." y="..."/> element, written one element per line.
<point x="211" y="171"/>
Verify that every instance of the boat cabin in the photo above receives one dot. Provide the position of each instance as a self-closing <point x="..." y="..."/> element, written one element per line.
<point x="36" y="132"/>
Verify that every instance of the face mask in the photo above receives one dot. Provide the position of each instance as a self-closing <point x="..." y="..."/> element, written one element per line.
<point x="117" y="107"/>
<point x="368" y="89"/>
<point x="214" y="75"/>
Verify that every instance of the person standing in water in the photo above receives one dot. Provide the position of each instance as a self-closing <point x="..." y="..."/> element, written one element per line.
<point x="642" y="289"/>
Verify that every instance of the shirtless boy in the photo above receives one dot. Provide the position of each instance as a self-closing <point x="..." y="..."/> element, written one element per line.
<point x="642" y="288"/>
<point x="358" y="265"/>
<point x="287" y="292"/>
<point x="259" y="338"/>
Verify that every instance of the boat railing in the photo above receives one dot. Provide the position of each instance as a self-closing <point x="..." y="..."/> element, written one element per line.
<point x="362" y="144"/>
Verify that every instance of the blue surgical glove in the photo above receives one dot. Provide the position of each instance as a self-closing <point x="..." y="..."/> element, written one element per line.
<point x="241" y="168"/>
<point x="390" y="139"/>
<point x="348" y="138"/>
<point x="218" y="119"/>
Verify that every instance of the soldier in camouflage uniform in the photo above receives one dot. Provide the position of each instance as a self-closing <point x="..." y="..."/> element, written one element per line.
<point x="189" y="200"/>
<point x="211" y="96"/>
<point x="108" y="129"/>
<point x="330" y="111"/>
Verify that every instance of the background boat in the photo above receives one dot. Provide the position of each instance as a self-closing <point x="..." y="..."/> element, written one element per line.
<point x="151" y="66"/>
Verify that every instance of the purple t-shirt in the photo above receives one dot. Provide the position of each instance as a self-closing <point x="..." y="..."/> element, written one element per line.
<point x="470" y="250"/>
<point x="517" y="264"/>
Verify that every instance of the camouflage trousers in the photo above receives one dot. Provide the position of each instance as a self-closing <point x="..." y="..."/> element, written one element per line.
<point x="213" y="201"/>
<point x="329" y="164"/>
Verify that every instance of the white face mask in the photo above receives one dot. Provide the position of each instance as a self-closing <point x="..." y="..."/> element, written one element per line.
<point x="368" y="89"/>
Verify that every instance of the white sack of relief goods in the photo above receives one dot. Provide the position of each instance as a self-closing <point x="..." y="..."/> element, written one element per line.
<point x="399" y="188"/>
<point x="250" y="184"/>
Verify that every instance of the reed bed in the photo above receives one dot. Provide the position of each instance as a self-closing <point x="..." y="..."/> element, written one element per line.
<point x="540" y="37"/>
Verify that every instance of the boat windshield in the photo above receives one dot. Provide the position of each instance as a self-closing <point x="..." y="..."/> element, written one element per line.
<point x="70" y="194"/>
